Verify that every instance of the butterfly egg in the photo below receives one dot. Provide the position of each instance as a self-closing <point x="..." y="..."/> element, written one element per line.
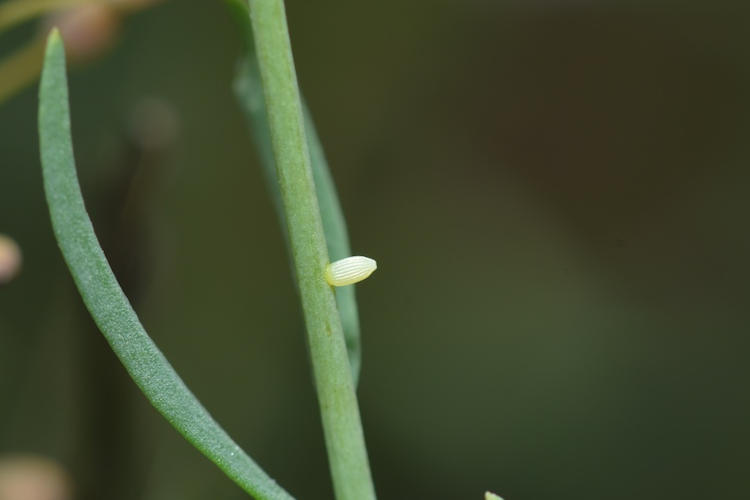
<point x="349" y="270"/>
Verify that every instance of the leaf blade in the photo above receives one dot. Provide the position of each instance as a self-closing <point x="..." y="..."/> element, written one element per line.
<point x="106" y="301"/>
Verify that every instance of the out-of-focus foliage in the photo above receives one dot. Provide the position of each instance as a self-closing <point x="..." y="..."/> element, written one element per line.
<point x="554" y="192"/>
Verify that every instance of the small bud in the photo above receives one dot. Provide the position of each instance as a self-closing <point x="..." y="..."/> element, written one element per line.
<point x="349" y="270"/>
<point x="491" y="496"/>
<point x="10" y="259"/>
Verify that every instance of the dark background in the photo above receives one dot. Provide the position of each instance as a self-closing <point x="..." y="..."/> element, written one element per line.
<point x="556" y="194"/>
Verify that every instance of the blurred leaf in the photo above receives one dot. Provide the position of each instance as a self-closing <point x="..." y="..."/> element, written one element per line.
<point x="14" y="12"/>
<point x="107" y="303"/>
<point x="20" y="68"/>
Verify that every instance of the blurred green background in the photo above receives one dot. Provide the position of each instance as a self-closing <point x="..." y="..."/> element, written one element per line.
<point x="557" y="197"/>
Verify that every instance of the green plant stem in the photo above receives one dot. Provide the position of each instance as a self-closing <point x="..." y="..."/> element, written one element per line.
<point x="106" y="301"/>
<point x="249" y="90"/>
<point x="344" y="438"/>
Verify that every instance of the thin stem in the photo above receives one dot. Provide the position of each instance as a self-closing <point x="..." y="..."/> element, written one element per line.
<point x="249" y="90"/>
<point x="338" y="403"/>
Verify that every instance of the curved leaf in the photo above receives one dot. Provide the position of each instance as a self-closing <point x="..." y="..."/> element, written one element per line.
<point x="107" y="303"/>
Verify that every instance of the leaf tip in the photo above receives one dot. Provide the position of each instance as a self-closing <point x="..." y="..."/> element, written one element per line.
<point x="54" y="43"/>
<point x="54" y="36"/>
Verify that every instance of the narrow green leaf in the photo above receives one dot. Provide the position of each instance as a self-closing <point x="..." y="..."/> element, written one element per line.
<point x="107" y="303"/>
<point x="249" y="90"/>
